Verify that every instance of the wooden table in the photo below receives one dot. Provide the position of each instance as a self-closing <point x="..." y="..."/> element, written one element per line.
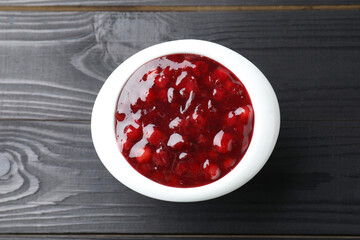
<point x="54" y="57"/>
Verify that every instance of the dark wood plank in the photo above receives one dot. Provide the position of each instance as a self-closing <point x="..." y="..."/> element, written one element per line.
<point x="310" y="58"/>
<point x="42" y="57"/>
<point x="53" y="65"/>
<point x="169" y="237"/>
<point x="168" y="2"/>
<point x="52" y="181"/>
<point x="225" y="8"/>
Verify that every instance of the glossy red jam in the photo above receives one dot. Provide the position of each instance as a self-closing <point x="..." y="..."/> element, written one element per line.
<point x="184" y="120"/>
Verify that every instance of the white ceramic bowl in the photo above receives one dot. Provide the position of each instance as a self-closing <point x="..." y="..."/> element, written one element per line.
<point x="265" y="131"/>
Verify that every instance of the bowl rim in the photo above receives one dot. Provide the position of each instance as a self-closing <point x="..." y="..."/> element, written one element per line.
<point x="265" y="131"/>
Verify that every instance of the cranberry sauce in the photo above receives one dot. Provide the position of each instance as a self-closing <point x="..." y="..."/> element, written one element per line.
<point x="183" y="120"/>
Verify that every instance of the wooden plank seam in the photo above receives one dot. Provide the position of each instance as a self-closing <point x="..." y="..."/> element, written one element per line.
<point x="209" y="8"/>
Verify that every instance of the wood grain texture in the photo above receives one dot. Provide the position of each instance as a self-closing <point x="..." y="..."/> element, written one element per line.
<point x="206" y="8"/>
<point x="169" y="237"/>
<point x="56" y="184"/>
<point x="41" y="59"/>
<point x="167" y="2"/>
<point x="53" y="64"/>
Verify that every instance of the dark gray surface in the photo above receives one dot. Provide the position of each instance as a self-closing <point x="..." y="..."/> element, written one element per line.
<point x="168" y="237"/>
<point x="57" y="184"/>
<point x="168" y="2"/>
<point x="53" y="65"/>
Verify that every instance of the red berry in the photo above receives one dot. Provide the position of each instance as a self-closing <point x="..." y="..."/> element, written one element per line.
<point x="176" y="141"/>
<point x="120" y="116"/>
<point x="161" y="81"/>
<point x="228" y="163"/>
<point x="151" y="75"/>
<point x="181" y="80"/>
<point x="170" y="95"/>
<point x="246" y="114"/>
<point x="142" y="155"/>
<point x="198" y="120"/>
<point x="183" y="156"/>
<point x="188" y="57"/>
<point x="191" y="86"/>
<point x="209" y="104"/>
<point x="218" y="93"/>
<point x="137" y="106"/>
<point x="132" y="132"/>
<point x="167" y="72"/>
<point x="124" y="145"/>
<point x="231" y="119"/>
<point x="200" y="68"/>
<point x="238" y="118"/>
<point x="220" y="75"/>
<point x="150" y="96"/>
<point x="175" y="123"/>
<point x="212" y="171"/>
<point x="245" y="144"/>
<point x="223" y="142"/>
<point x="155" y="136"/>
<point x="229" y="85"/>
